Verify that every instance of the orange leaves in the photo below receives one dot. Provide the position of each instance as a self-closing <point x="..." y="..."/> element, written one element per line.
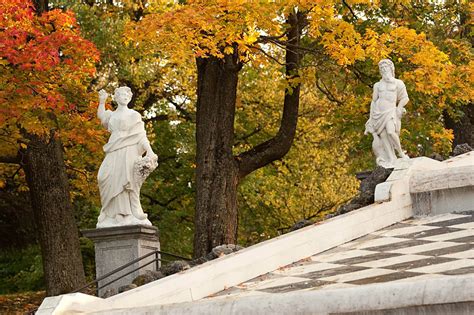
<point x="46" y="67"/>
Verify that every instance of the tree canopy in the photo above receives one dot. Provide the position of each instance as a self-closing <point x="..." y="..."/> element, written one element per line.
<point x="50" y="70"/>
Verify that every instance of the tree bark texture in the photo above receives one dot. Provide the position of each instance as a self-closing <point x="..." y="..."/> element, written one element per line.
<point x="218" y="172"/>
<point x="463" y="128"/>
<point x="41" y="6"/>
<point x="53" y="212"/>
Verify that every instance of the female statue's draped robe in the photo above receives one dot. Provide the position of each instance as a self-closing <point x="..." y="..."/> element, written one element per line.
<point x="118" y="185"/>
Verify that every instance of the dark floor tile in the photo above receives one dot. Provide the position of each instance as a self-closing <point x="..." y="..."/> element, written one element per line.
<point x="331" y="272"/>
<point x="403" y="244"/>
<point x="466" y="239"/>
<point x="386" y="278"/>
<point x="296" y="286"/>
<point x="447" y="250"/>
<point x="365" y="258"/>
<point x="460" y="271"/>
<point x="466" y="219"/>
<point x="397" y="226"/>
<point x="428" y="233"/>
<point x="266" y="276"/>
<point x="468" y="212"/>
<point x="419" y="263"/>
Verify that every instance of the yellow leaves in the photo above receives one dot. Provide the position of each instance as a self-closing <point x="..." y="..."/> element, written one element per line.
<point x="375" y="45"/>
<point x="442" y="140"/>
<point x="228" y="50"/>
<point x="343" y="43"/>
<point x="433" y="69"/>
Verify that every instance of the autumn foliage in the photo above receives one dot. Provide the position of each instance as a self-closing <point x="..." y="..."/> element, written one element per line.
<point x="46" y="65"/>
<point x="152" y="45"/>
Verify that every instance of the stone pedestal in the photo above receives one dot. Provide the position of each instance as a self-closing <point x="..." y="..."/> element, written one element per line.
<point x="117" y="246"/>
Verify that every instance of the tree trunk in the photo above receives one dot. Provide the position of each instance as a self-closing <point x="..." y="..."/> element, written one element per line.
<point x="41" y="6"/>
<point x="216" y="171"/>
<point x="463" y="127"/>
<point x="57" y="231"/>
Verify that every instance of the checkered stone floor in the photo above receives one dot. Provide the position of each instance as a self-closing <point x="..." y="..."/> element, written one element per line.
<point x="418" y="248"/>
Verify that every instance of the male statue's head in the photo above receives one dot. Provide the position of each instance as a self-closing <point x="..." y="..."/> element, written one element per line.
<point x="387" y="69"/>
<point x="123" y="95"/>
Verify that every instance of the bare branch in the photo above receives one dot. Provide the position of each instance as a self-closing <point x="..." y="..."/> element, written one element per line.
<point x="10" y="159"/>
<point x="350" y="9"/>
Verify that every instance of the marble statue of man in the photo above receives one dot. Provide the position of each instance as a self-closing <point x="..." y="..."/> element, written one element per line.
<point x="386" y="110"/>
<point x="124" y="168"/>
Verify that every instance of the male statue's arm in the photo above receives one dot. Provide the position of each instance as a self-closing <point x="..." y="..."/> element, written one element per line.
<point x="375" y="96"/>
<point x="402" y="101"/>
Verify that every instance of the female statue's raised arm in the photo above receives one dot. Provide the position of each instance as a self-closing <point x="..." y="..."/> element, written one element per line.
<point x="102" y="113"/>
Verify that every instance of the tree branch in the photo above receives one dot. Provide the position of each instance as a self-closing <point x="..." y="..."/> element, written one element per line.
<point x="156" y="201"/>
<point x="326" y="92"/>
<point x="163" y="117"/>
<point x="350" y="9"/>
<point x="180" y="108"/>
<point x="10" y="159"/>
<point x="245" y="137"/>
<point x="279" y="145"/>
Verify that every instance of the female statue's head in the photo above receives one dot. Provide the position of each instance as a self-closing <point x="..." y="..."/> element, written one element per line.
<point x="123" y="95"/>
<point x="387" y="68"/>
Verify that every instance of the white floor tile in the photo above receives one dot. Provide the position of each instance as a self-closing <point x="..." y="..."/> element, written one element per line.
<point x="341" y="255"/>
<point x="391" y="261"/>
<point x="469" y="225"/>
<point x="362" y="274"/>
<point x="423" y="248"/>
<point x="461" y="255"/>
<point x="433" y="219"/>
<point x="376" y="242"/>
<point x="299" y="270"/>
<point x="445" y="266"/>
<point x="449" y="236"/>
<point x="421" y="277"/>
<point x="238" y="294"/>
<point x="270" y="283"/>
<point x="405" y="230"/>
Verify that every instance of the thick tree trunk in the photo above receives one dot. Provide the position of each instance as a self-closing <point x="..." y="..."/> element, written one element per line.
<point x="216" y="172"/>
<point x="57" y="231"/>
<point x="463" y="128"/>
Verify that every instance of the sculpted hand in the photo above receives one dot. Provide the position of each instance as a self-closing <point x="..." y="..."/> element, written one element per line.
<point x="103" y="96"/>
<point x="152" y="155"/>
<point x="401" y="111"/>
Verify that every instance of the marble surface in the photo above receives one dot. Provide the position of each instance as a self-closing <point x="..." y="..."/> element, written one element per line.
<point x="386" y="110"/>
<point x="419" y="248"/>
<point x="125" y="166"/>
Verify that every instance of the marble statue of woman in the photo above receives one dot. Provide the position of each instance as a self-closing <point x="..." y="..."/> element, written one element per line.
<point x="125" y="167"/>
<point x="386" y="110"/>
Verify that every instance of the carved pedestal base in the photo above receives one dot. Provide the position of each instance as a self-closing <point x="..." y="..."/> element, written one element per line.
<point x="117" y="246"/>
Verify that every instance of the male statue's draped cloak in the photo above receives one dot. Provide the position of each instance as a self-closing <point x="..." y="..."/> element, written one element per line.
<point x="385" y="110"/>
<point x="119" y="190"/>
